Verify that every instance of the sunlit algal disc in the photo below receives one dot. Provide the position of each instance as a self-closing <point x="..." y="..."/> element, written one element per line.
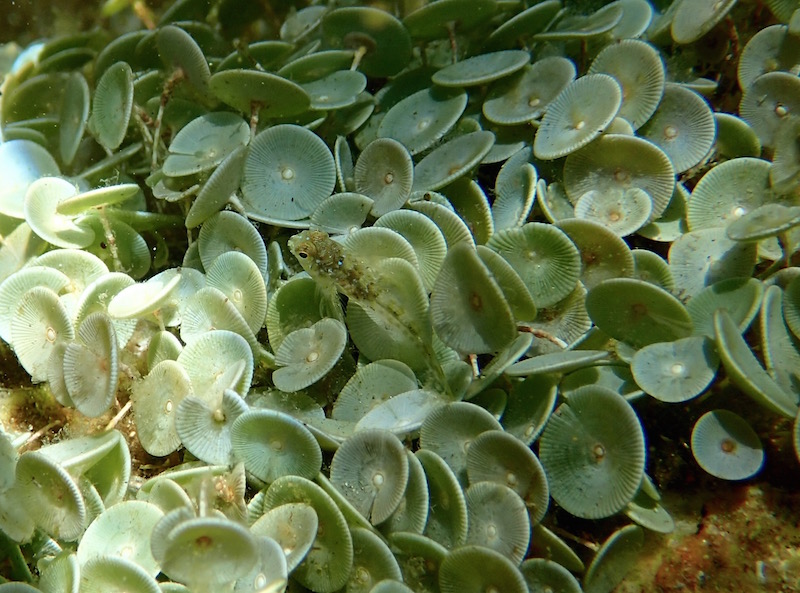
<point x="724" y="444"/>
<point x="498" y="519"/>
<point x="40" y="322"/>
<point x="770" y="49"/>
<point x="113" y="574"/>
<point x="218" y="189"/>
<point x="683" y="126"/>
<point x="383" y="40"/>
<point x="781" y="358"/>
<point x="583" y="27"/>
<point x="306" y="355"/>
<point x="271" y="95"/>
<point x="499" y="457"/>
<point x="578" y="115"/>
<point x="205" y="430"/>
<point x="327" y="565"/>
<point x="594" y="464"/>
<point x="297" y="304"/>
<point x="401" y="414"/>
<point x="293" y="525"/>
<point x="603" y="253"/>
<point x="238" y="277"/>
<point x="289" y="170"/>
<point x="433" y="21"/>
<point x="541" y="575"/>
<point x="204" y="142"/>
<point x="384" y="171"/>
<point x="228" y="231"/>
<point x="155" y="400"/>
<point x="623" y="212"/>
<point x="637" y="312"/>
<point x="451" y="160"/>
<point x="768" y="103"/>
<point x="768" y="220"/>
<point x="373" y="562"/>
<point x="481" y="69"/>
<point x="21" y="163"/>
<point x="615" y="559"/>
<point x="564" y="361"/>
<point x="371" y="385"/>
<point x="421" y="119"/>
<point x="141" y="299"/>
<point x="526" y="95"/>
<point x="545" y="258"/>
<point x="40" y="207"/>
<point x="216" y="361"/>
<point x="73" y="117"/>
<point x="102" y="196"/>
<point x="740" y="296"/>
<point x="617" y="161"/>
<point x="701" y="258"/>
<point x="652" y="268"/>
<point x="112" y="103"/>
<point x="447" y="517"/>
<point x="341" y="213"/>
<point x="50" y="496"/>
<point x="62" y="573"/>
<point x="692" y="20"/>
<point x="18" y="283"/>
<point x="476" y="569"/>
<point x="453" y="228"/>
<point x="637" y="67"/>
<point x="676" y="371"/>
<point x="525" y="24"/>
<point x="273" y="444"/>
<point x="637" y="16"/>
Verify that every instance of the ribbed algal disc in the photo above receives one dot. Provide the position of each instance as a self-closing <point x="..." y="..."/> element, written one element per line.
<point x="180" y="51"/>
<point x="411" y="514"/>
<point x="636" y="66"/>
<point x="435" y="20"/>
<point x="475" y="569"/>
<point x="228" y="231"/>
<point x="341" y="213"/>
<point x="271" y="95"/>
<point x="541" y="575"/>
<point x="676" y="371"/>
<point x="384" y="172"/>
<point x="772" y="48"/>
<point x="735" y="137"/>
<point x="216" y="361"/>
<point x="289" y="170"/>
<point x="21" y="163"/>
<point x="616" y="161"/>
<point x="544" y="257"/>
<point x="370" y="385"/>
<point x="741" y="297"/>
<point x="603" y="254"/>
<point x="41" y="204"/>
<point x="306" y="355"/>
<point x="637" y="312"/>
<point x="239" y="278"/>
<point x="422" y="118"/>
<point x="615" y="558"/>
<point x="498" y="519"/>
<point x="62" y="573"/>
<point x="683" y="127"/>
<point x="112" y="574"/>
<point x="623" y="212"/>
<point x="204" y="142"/>
<point x="768" y="102"/>
<point x="20" y="282"/>
<point x="515" y="191"/>
<point x="526" y="95"/>
<point x="112" y="103"/>
<point x="481" y="69"/>
<point x="447" y="517"/>
<point x="273" y="444"/>
<point x="768" y="220"/>
<point x="218" y="189"/>
<point x="525" y="24"/>
<point x="581" y="27"/>
<point x="371" y="470"/>
<point x="336" y="90"/>
<point x="579" y="114"/>
<point x="373" y="562"/>
<point x="692" y="20"/>
<point x="73" y="117"/>
<point x="593" y="452"/>
<point x="725" y="445"/>
<point x="785" y="172"/>
<point x="449" y="161"/>
<point x="514" y="290"/>
<point x="791" y="306"/>
<point x="293" y="525"/>
<point x="205" y="431"/>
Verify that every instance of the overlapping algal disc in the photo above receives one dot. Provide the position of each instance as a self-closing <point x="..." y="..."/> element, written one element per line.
<point x="768" y="102"/>
<point x="692" y="20"/>
<point x="725" y="445"/>
<point x="481" y="69"/>
<point x="772" y="48"/>
<point x="451" y="160"/>
<point x="436" y="19"/>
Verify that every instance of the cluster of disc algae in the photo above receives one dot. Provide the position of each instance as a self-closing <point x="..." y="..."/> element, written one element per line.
<point x="379" y="298"/>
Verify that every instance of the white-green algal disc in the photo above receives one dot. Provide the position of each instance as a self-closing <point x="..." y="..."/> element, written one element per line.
<point x="18" y="283"/>
<point x="371" y="385"/>
<point x="73" y="117"/>
<point x="515" y="191"/>
<point x="637" y="312"/>
<point x="725" y="445"/>
<point x="101" y="196"/>
<point x="205" y="430"/>
<point x="553" y="201"/>
<point x="452" y="226"/>
<point x="181" y="53"/>
<point x="132" y="254"/>
<point x="545" y="258"/>
<point x="343" y="156"/>
<point x="80" y="266"/>
<point x="143" y="298"/>
<point x="451" y="160"/>
<point x="636" y="18"/>
<point x="62" y="574"/>
<point x="594" y="465"/>
<point x="39" y="323"/>
<point x="701" y="258"/>
<point x="768" y="103"/>
<point x="556" y="362"/>
<point x="384" y="171"/>
<point x="373" y="562"/>
<point x="123" y="530"/>
<point x="204" y="142"/>
<point x="216" y="361"/>
<point x="526" y="95"/>
<point x="293" y="525"/>
<point x="514" y="290"/>
<point x="270" y="574"/>
<point x="741" y="297"/>
<point x="621" y="162"/>
<point x="474" y="569"/>
<point x="210" y="551"/>
<point x="411" y="514"/>
<point x="327" y="565"/>
<point x="652" y="268"/>
<point x="112" y="574"/>
<point x="419" y="558"/>
<point x="306" y="355"/>
<point x="541" y="575"/>
<point x="50" y="496"/>
<point x="341" y="213"/>
<point x="481" y="69"/>
<point x="772" y="48"/>
<point x="676" y="371"/>
<point x="470" y="202"/>
<point x="41" y="203"/>
<point x="21" y="163"/>
<point x="218" y="189"/>
<point x="623" y="212"/>
<point x="735" y="137"/>
<point x="767" y="220"/>
<point x="581" y="27"/>
<point x="746" y="372"/>
<point x="155" y="400"/>
<point x="271" y="95"/>
<point x="579" y="114"/>
<point x="335" y="90"/>
<point x="603" y="253"/>
<point x="240" y="279"/>
<point x="498" y="519"/>
<point x="791" y="306"/>
<point x="637" y="67"/>
<point x="683" y="127"/>
<point x="228" y="231"/>
<point x="447" y="517"/>
<point x="421" y="119"/>
<point x="91" y="366"/>
<point x="615" y="558"/>
<point x="401" y="414"/>
<point x="273" y="444"/>
<point x="112" y="103"/>
<point x="692" y="20"/>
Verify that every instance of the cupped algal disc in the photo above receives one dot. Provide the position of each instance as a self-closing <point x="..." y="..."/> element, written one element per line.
<point x="594" y="464"/>
<point x="451" y="160"/>
<point x="401" y="414"/>
<point x="637" y="312"/>
<point x="785" y="172"/>
<point x="373" y="562"/>
<point x="132" y="252"/>
<point x="676" y="371"/>
<point x="179" y="51"/>
<point x="781" y="357"/>
<point x="341" y="213"/>
<point x="420" y="558"/>
<point x="21" y="163"/>
<point x="73" y="118"/>
<point x="735" y="137"/>
<point x="651" y="267"/>
<point x="289" y="170"/>
<point x="522" y="25"/>
<point x="470" y="202"/>
<point x="791" y="306"/>
<point x="421" y="119"/>
<point x="102" y="196"/>
<point x="205" y="430"/>
<point x="112" y="574"/>
<point x="336" y="90"/>
<point x="578" y="115"/>
<point x="555" y="362"/>
<point x="526" y="95"/>
<point x="498" y="519"/>
<point x="227" y="231"/>
<point x="218" y="189"/>
<point x="293" y="525"/>
<point x="433" y="21"/>
<point x="768" y="102"/>
<point x="204" y="142"/>
<point x="767" y="220"/>
<point x="239" y="278"/>
<point x="725" y="445"/>
<point x="269" y="94"/>
<point x="636" y="66"/>
<point x="112" y="103"/>
<point x="273" y="444"/>
<point x="299" y="24"/>
<point x="741" y="297"/>
<point x="623" y="212"/>
<point x="582" y="27"/>
<point x="772" y="48"/>
<point x="616" y="161"/>
<point x="216" y="361"/>
<point x="481" y="69"/>
<point x="515" y="191"/>
<point x="371" y="385"/>
<point x="516" y="294"/>
<point x="671" y="223"/>
<point x="545" y="258"/>
<point x="306" y="355"/>
<point x="384" y="171"/>
<point x="452" y="226"/>
<point x="692" y="20"/>
<point x="615" y="558"/>
<point x="371" y="470"/>
<point x="143" y="298"/>
<point x="41" y="213"/>
<point x="475" y="569"/>
<point x="17" y="284"/>
<point x="603" y="253"/>
<point x="411" y="514"/>
<point x="317" y="64"/>
<point x="541" y="574"/>
<point x="683" y="127"/>
<point x="447" y="517"/>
